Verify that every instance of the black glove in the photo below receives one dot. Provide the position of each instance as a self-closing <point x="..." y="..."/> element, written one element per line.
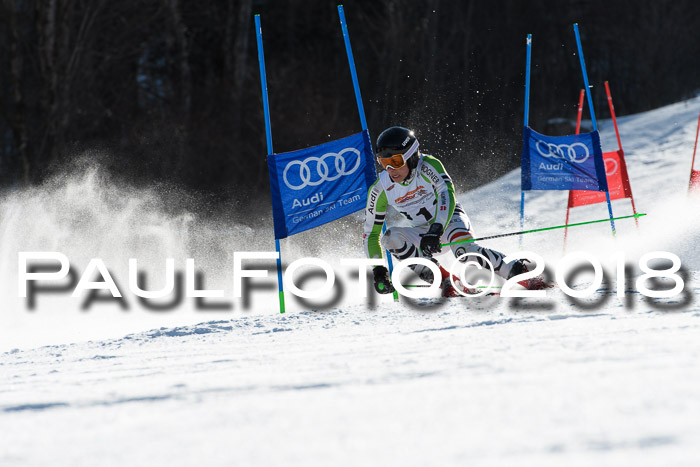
<point x="382" y="282"/>
<point x="430" y="242"/>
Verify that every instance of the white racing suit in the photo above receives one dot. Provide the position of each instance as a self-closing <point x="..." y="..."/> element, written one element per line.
<point x="425" y="197"/>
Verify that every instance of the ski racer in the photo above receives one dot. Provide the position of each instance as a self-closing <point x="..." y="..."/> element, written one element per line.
<point x="418" y="186"/>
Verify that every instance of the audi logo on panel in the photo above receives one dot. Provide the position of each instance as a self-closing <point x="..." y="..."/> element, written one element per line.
<point x="561" y="151"/>
<point x="310" y="174"/>
<point x="610" y="167"/>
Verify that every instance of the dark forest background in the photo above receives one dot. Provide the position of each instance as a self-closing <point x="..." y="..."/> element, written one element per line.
<point x="170" y="89"/>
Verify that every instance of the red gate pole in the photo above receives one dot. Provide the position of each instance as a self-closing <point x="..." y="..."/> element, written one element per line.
<point x="612" y="113"/>
<point x="692" y="164"/>
<point x="580" y="111"/>
<point x="621" y="153"/>
<point x="566" y="229"/>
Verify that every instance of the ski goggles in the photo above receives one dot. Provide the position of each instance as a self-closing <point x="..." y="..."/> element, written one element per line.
<point x="396" y="161"/>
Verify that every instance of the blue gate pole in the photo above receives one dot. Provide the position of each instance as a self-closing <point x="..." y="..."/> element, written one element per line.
<point x="526" y="123"/>
<point x="353" y="71"/>
<point x="268" y="133"/>
<point x="593" y="120"/>
<point x="360" y="107"/>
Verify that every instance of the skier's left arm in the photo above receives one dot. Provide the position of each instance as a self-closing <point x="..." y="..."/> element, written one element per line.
<point x="434" y="173"/>
<point x="375" y="212"/>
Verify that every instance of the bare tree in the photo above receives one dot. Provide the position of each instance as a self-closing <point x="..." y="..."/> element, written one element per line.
<point x="18" y="120"/>
<point x="61" y="48"/>
<point x="185" y="94"/>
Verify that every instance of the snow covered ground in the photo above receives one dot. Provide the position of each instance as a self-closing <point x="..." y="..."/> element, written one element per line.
<point x="489" y="381"/>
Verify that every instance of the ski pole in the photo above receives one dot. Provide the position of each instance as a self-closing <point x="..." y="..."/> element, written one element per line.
<point x="637" y="215"/>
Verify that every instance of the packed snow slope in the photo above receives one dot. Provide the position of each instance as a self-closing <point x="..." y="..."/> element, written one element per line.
<point x="603" y="380"/>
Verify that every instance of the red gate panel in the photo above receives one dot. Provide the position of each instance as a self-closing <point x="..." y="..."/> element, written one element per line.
<point x="618" y="183"/>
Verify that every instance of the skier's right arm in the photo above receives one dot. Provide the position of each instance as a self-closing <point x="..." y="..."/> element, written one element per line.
<point x="375" y="213"/>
